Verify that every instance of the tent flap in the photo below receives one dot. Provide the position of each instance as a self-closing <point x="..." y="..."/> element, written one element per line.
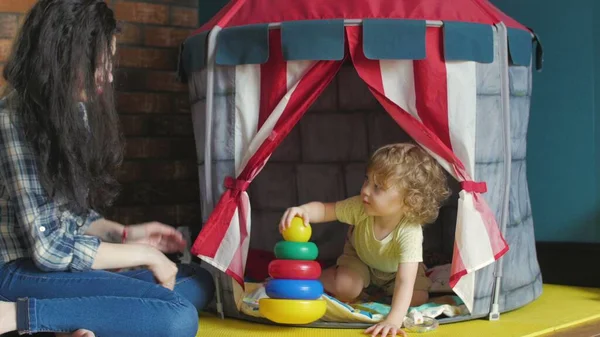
<point x="447" y="131"/>
<point x="323" y="40"/>
<point x="243" y="45"/>
<point x="385" y="39"/>
<point x="193" y="53"/>
<point x="315" y="40"/>
<point x="539" y="53"/>
<point x="520" y="46"/>
<point x="224" y="240"/>
<point x="468" y="42"/>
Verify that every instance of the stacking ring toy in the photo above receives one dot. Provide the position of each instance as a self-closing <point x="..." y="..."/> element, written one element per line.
<point x="294" y="289"/>
<point x="292" y="311"/>
<point x="294" y="270"/>
<point x="288" y="250"/>
<point x="297" y="231"/>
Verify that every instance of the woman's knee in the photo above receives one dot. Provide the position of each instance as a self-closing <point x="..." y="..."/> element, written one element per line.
<point x="180" y="320"/>
<point x="198" y="286"/>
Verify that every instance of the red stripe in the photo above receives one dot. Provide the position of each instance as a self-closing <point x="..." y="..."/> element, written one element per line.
<point x="273" y="88"/>
<point x="370" y="72"/>
<point x="457" y="270"/>
<point x="236" y="277"/>
<point x="432" y="88"/>
<point x="498" y="244"/>
<point x="208" y="241"/>
<point x="312" y="84"/>
<point x="273" y="78"/>
<point x="308" y="89"/>
<point x="238" y="262"/>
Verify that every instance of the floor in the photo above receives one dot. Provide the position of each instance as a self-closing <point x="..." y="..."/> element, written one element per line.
<point x="584" y="330"/>
<point x="560" y="311"/>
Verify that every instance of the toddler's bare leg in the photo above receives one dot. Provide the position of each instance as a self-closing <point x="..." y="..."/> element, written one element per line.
<point x="344" y="283"/>
<point x="420" y="297"/>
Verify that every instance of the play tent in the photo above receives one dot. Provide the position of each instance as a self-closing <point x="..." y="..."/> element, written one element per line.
<point x="454" y="75"/>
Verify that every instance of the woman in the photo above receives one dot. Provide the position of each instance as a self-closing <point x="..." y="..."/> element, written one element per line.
<point x="59" y="150"/>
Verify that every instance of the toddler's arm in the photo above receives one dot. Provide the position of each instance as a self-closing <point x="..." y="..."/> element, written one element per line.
<point x="312" y="212"/>
<point x="403" y="292"/>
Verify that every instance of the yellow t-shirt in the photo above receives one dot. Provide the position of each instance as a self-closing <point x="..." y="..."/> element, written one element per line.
<point x="403" y="245"/>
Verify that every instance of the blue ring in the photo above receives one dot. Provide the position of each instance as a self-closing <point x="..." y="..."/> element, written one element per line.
<point x="294" y="289"/>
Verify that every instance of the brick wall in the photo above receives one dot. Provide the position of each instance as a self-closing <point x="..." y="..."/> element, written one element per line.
<point x="159" y="175"/>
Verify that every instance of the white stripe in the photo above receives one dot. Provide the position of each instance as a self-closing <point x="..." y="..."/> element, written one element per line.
<point x="247" y="142"/>
<point x="472" y="238"/>
<point x="232" y="240"/>
<point x="443" y="162"/>
<point x="398" y="77"/>
<point x="471" y="234"/>
<point x="295" y="73"/>
<point x="230" y="243"/>
<point x="465" y="289"/>
<point x="296" y="70"/>
<point x="246" y="242"/>
<point x="247" y="107"/>
<point x="462" y="111"/>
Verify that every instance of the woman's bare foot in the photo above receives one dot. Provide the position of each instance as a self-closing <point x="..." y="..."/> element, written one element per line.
<point x="78" y="333"/>
<point x="8" y="317"/>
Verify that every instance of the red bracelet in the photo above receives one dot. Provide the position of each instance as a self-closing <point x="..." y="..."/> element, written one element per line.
<point x="124" y="236"/>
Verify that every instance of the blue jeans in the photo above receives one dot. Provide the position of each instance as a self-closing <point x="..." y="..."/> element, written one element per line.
<point x="109" y="304"/>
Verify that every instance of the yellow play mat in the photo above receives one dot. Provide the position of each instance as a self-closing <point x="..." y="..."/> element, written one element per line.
<point x="559" y="307"/>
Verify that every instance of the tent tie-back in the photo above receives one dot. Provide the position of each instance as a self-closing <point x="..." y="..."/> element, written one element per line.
<point x="474" y="186"/>
<point x="236" y="185"/>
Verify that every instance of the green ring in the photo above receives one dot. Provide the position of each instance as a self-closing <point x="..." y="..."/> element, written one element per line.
<point x="288" y="250"/>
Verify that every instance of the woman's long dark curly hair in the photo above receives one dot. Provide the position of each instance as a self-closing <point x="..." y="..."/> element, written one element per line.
<point x="62" y="60"/>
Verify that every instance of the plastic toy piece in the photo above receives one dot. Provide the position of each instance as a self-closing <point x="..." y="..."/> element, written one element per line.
<point x="294" y="270"/>
<point x="294" y="289"/>
<point x="297" y="232"/>
<point x="292" y="311"/>
<point x="429" y="324"/>
<point x="288" y="250"/>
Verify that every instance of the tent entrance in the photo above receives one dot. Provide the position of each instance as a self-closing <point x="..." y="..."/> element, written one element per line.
<point x="324" y="159"/>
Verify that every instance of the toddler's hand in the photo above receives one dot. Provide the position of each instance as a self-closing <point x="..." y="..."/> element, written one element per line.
<point x="289" y="214"/>
<point x="385" y="327"/>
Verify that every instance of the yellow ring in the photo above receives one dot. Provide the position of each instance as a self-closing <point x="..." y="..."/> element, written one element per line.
<point x="292" y="311"/>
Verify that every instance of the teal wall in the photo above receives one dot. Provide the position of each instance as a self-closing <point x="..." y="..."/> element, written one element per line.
<point x="563" y="156"/>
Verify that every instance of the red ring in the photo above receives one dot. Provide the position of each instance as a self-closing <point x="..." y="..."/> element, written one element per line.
<point x="294" y="269"/>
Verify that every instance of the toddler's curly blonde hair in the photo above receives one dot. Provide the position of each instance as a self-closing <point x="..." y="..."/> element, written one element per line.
<point x="415" y="173"/>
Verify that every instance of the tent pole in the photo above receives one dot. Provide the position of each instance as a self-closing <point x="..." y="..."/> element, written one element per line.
<point x="358" y="22"/>
<point x="210" y="90"/>
<point x="502" y="35"/>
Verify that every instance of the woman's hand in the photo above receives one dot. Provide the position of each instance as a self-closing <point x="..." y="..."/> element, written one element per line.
<point x="163" y="269"/>
<point x="158" y="235"/>
<point x="289" y="214"/>
<point x="385" y="327"/>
